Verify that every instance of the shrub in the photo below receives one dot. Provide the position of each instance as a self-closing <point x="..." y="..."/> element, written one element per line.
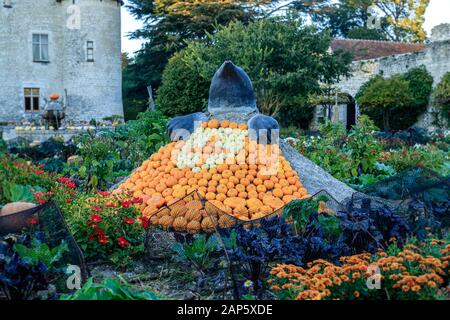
<point x="420" y="83"/>
<point x="384" y="95"/>
<point x="183" y="89"/>
<point x="107" y="154"/>
<point x="284" y="59"/>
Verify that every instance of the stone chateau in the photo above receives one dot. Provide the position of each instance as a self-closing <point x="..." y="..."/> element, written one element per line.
<point x="69" y="47"/>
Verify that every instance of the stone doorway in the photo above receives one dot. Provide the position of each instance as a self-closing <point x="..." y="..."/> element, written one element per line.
<point x="351" y="113"/>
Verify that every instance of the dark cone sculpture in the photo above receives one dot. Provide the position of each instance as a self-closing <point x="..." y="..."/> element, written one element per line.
<point x="180" y="128"/>
<point x="231" y="90"/>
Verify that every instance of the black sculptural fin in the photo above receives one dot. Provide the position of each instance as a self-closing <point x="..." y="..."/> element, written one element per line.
<point x="180" y="128"/>
<point x="263" y="129"/>
<point x="231" y="90"/>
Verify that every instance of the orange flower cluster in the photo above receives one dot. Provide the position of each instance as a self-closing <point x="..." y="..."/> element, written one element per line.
<point x="248" y="186"/>
<point x="410" y="272"/>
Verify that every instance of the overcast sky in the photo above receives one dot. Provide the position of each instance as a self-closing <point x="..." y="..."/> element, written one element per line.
<point x="438" y="12"/>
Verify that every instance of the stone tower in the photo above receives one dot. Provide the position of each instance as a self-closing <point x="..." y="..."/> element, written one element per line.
<point x="71" y="47"/>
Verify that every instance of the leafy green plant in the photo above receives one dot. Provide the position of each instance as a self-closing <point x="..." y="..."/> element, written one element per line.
<point x="330" y="225"/>
<point x="299" y="212"/>
<point x="28" y="265"/>
<point x="3" y="146"/>
<point x="14" y="192"/>
<point x="198" y="252"/>
<point x="363" y="147"/>
<point x="110" y="289"/>
<point x="41" y="252"/>
<point x="98" y="156"/>
<point x="106" y="155"/>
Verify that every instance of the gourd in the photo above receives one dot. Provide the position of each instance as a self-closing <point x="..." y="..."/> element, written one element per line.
<point x="15" y="207"/>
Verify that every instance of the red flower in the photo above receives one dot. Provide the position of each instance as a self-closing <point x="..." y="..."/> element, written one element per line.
<point x="126" y="204"/>
<point x="137" y="200"/>
<point x="104" y="193"/>
<point x="67" y="182"/>
<point x="20" y="165"/>
<point x="38" y="171"/>
<point x="37" y="195"/>
<point x="111" y="205"/>
<point x="144" y="222"/>
<point x="33" y="221"/>
<point x="128" y="220"/>
<point x="41" y="201"/>
<point x="91" y="237"/>
<point x="123" y="242"/>
<point x="96" y="218"/>
<point x="103" y="240"/>
<point x="100" y="232"/>
<point x="97" y="209"/>
<point x="68" y="201"/>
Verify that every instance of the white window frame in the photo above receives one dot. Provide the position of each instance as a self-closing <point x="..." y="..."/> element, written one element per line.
<point x="35" y="93"/>
<point x="41" y="45"/>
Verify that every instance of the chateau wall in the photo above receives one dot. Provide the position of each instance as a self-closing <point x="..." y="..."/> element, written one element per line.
<point x="93" y="88"/>
<point x="435" y="57"/>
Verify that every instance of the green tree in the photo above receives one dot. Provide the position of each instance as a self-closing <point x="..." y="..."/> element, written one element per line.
<point x="385" y="95"/>
<point x="441" y="95"/>
<point x="168" y="24"/>
<point x="400" y="20"/>
<point x="405" y="17"/>
<point x="420" y="83"/>
<point x="285" y="60"/>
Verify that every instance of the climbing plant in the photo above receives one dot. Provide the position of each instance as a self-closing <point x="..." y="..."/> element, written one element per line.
<point x="441" y="96"/>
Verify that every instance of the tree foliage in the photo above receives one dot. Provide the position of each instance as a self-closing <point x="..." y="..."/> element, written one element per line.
<point x="384" y="95"/>
<point x="400" y="20"/>
<point x="167" y="25"/>
<point x="420" y="83"/>
<point x="284" y="59"/>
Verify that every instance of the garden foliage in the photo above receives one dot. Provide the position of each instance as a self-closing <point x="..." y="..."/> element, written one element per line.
<point x="28" y="265"/>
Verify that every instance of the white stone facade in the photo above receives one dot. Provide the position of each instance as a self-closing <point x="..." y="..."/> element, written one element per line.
<point x="91" y="89"/>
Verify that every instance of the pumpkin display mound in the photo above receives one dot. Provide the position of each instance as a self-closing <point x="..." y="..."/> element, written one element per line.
<point x="213" y="179"/>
